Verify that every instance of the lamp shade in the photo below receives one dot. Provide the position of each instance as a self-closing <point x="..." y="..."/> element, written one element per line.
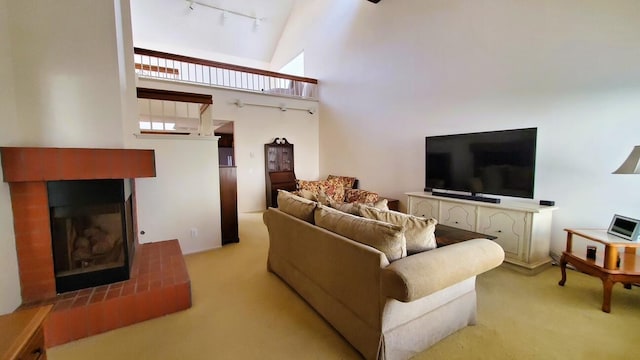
<point x="632" y="164"/>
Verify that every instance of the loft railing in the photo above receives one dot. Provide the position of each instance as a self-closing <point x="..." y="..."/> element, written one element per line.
<point x="161" y="65"/>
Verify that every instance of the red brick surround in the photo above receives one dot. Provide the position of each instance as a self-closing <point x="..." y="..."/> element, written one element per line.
<point x="27" y="170"/>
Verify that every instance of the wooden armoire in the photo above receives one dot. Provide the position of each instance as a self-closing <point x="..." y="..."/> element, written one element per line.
<point x="279" y="171"/>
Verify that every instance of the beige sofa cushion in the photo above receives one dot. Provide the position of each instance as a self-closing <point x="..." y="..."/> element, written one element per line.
<point x="296" y="206"/>
<point x="354" y="207"/>
<point x="419" y="232"/>
<point x="385" y="237"/>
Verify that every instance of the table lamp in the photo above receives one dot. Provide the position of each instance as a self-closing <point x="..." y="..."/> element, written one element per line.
<point x="632" y="164"/>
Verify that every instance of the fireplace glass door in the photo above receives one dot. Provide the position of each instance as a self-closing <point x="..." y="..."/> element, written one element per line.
<point x="88" y="238"/>
<point x="89" y="235"/>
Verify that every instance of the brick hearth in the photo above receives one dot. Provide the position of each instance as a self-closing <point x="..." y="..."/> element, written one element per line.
<point x="159" y="282"/>
<point x="159" y="285"/>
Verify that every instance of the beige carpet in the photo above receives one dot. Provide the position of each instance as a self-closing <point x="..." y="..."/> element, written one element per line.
<point x="240" y="311"/>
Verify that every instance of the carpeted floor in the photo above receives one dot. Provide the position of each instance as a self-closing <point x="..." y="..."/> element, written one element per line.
<point x="240" y="311"/>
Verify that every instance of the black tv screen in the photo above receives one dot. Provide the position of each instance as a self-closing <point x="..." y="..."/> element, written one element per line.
<point x="495" y="162"/>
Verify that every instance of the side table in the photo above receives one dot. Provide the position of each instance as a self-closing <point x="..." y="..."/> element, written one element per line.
<point x="605" y="266"/>
<point x="392" y="204"/>
<point x="22" y="334"/>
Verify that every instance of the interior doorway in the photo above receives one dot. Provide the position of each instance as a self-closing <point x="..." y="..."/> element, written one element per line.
<point x="228" y="181"/>
<point x="226" y="152"/>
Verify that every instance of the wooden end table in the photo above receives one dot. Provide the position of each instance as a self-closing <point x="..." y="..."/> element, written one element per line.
<point x="605" y="266"/>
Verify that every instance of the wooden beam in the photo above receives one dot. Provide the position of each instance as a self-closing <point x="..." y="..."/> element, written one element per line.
<point x="157" y="94"/>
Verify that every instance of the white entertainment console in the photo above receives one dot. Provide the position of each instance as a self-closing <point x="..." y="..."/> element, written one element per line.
<point x="522" y="229"/>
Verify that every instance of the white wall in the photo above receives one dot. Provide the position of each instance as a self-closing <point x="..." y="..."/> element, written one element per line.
<point x="394" y="72"/>
<point x="11" y="132"/>
<point x="184" y="195"/>
<point x="67" y="81"/>
<point x="64" y="57"/>
<point x="255" y="126"/>
<point x="60" y="87"/>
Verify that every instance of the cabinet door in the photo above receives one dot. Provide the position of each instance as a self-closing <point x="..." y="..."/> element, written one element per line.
<point x="509" y="227"/>
<point x="286" y="158"/>
<point x="272" y="158"/>
<point x="460" y="216"/>
<point x="427" y="208"/>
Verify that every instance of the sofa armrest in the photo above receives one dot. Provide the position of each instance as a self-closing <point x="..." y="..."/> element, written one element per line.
<point x="419" y="275"/>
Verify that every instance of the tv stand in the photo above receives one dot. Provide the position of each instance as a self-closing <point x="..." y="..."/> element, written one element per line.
<point x="523" y="229"/>
<point x="466" y="197"/>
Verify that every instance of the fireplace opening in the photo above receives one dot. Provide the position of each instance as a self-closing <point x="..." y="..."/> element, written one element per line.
<point x="91" y="232"/>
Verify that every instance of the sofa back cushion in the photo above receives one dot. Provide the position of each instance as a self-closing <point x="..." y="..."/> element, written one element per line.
<point x="419" y="232"/>
<point x="296" y="206"/>
<point x="388" y="238"/>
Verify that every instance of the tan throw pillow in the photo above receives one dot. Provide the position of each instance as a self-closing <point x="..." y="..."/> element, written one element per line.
<point x="418" y="231"/>
<point x="385" y="237"/>
<point x="349" y="208"/>
<point x="306" y="194"/>
<point x="296" y="206"/>
<point x="324" y="199"/>
<point x="382" y="204"/>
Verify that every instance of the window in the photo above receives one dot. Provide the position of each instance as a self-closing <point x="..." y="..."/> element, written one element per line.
<point x="295" y="66"/>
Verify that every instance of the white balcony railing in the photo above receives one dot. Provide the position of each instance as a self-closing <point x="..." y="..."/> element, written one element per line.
<point x="155" y="64"/>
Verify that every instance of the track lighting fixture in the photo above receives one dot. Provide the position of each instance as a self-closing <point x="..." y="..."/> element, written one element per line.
<point x="226" y="12"/>
<point x="283" y="107"/>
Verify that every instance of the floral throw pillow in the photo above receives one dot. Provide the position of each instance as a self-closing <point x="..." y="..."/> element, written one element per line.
<point x="360" y="196"/>
<point x="332" y="188"/>
<point x="347" y="181"/>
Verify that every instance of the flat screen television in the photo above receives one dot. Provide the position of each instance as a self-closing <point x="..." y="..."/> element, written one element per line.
<point x="495" y="162"/>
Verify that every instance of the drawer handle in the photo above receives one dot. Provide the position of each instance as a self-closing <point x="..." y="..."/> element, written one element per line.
<point x="499" y="231"/>
<point x="37" y="353"/>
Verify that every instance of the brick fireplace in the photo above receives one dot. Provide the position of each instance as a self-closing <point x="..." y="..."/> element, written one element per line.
<point x="158" y="283"/>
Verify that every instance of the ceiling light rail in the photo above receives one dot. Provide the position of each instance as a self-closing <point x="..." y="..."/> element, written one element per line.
<point x="257" y="20"/>
<point x="283" y="107"/>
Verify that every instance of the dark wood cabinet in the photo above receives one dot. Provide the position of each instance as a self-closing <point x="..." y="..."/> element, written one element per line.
<point x="279" y="169"/>
<point x="229" y="204"/>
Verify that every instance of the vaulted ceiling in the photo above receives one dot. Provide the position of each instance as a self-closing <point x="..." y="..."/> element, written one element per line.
<point x="199" y="28"/>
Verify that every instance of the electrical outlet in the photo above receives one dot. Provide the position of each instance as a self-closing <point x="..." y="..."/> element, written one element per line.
<point x="194" y="232"/>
